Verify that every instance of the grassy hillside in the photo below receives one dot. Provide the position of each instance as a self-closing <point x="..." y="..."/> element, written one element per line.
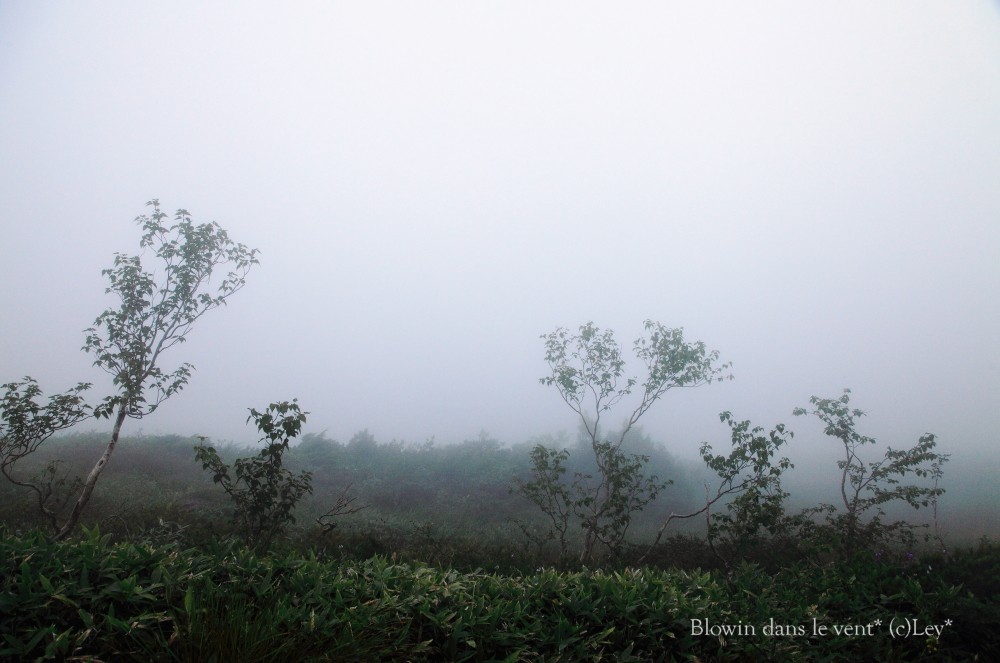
<point x="432" y="568"/>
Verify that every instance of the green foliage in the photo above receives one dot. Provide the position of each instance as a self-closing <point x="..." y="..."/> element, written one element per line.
<point x="25" y="423"/>
<point x="92" y="599"/>
<point x="588" y="371"/>
<point x="264" y="493"/>
<point x="865" y="487"/>
<point x="156" y="311"/>
<point x="628" y="491"/>
<point x="155" y="490"/>
<point x="751" y="473"/>
<point x="548" y="492"/>
<point x="59" y="599"/>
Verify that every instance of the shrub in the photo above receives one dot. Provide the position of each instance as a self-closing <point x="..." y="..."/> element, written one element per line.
<point x="263" y="492"/>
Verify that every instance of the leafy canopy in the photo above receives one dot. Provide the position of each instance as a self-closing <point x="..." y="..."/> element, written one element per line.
<point x="157" y="311"/>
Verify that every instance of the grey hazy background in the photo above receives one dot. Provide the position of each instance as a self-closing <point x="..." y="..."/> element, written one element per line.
<point x="813" y="189"/>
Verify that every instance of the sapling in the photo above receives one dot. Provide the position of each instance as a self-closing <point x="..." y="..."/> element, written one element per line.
<point x="866" y="486"/>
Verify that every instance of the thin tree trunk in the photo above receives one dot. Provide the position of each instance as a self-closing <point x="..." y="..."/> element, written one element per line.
<point x="88" y="486"/>
<point x="588" y="545"/>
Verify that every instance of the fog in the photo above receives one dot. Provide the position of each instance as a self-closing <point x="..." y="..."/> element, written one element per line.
<point x="809" y="188"/>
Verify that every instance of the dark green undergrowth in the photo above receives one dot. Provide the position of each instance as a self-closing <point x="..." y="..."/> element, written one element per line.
<point x="93" y="599"/>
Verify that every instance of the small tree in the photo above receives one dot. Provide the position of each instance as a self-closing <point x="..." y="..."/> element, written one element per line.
<point x="751" y="473"/>
<point x="866" y="486"/>
<point x="263" y="492"/>
<point x="547" y="490"/>
<point x="156" y="311"/>
<point x="587" y="369"/>
<point x="25" y="423"/>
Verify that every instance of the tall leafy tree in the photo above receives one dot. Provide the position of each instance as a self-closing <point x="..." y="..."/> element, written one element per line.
<point x="588" y="370"/>
<point x="157" y="308"/>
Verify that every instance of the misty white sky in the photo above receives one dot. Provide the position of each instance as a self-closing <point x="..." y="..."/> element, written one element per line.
<point x="813" y="189"/>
